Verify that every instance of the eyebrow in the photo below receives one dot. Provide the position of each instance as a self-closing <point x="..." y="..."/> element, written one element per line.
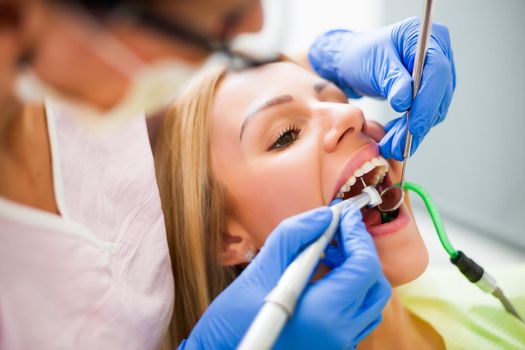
<point x="279" y="100"/>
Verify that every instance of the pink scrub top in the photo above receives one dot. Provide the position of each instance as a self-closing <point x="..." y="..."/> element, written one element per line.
<point x="99" y="275"/>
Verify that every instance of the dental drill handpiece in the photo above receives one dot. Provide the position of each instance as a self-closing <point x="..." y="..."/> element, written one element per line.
<point x="280" y="303"/>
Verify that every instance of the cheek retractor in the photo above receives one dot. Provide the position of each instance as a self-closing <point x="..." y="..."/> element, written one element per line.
<point x="280" y="303"/>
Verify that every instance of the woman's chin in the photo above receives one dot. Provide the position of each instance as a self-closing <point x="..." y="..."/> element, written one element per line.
<point x="404" y="256"/>
<point x="403" y="275"/>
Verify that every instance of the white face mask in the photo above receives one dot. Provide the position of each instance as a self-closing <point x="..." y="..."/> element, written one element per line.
<point x="153" y="86"/>
<point x="151" y="89"/>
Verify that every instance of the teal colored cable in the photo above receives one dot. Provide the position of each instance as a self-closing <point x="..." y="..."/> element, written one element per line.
<point x="434" y="215"/>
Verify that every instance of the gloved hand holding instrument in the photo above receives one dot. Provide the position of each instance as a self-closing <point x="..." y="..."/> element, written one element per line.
<point x="355" y="293"/>
<point x="378" y="64"/>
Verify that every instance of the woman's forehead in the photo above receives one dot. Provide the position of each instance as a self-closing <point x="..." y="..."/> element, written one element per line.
<point x="274" y="76"/>
<point x="240" y="90"/>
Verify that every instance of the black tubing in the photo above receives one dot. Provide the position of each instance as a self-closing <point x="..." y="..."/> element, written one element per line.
<point x="468" y="267"/>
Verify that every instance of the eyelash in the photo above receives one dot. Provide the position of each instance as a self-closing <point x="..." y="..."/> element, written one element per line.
<point x="282" y="140"/>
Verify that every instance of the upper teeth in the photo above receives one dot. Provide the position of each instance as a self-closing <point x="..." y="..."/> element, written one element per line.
<point x="378" y="162"/>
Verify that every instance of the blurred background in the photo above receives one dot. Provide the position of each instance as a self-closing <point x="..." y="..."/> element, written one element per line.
<point x="473" y="164"/>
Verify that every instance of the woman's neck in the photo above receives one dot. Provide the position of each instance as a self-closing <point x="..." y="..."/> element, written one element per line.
<point x="399" y="329"/>
<point x="10" y="110"/>
<point x="25" y="158"/>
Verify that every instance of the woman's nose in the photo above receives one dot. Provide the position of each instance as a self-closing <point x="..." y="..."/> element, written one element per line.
<point x="344" y="121"/>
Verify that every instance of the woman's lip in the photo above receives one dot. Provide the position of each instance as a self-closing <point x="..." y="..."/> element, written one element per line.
<point x="363" y="154"/>
<point x="402" y="220"/>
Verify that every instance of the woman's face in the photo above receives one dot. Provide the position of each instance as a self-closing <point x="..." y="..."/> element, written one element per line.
<point x="285" y="141"/>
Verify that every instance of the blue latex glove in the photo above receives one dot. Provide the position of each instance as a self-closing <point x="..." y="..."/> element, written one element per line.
<point x="379" y="64"/>
<point x="335" y="312"/>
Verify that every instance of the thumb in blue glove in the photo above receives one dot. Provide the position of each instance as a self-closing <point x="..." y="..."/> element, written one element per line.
<point x="378" y="63"/>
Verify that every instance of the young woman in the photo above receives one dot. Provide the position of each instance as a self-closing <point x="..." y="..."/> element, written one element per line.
<point x="240" y="152"/>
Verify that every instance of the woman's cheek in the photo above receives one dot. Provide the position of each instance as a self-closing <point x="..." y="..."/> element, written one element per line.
<point x="284" y="193"/>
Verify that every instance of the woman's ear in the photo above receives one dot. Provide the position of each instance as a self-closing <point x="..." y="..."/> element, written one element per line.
<point x="238" y="247"/>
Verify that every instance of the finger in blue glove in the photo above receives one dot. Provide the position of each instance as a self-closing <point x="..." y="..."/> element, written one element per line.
<point x="396" y="135"/>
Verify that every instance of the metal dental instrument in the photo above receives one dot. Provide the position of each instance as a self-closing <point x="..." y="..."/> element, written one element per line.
<point x="394" y="195"/>
<point x="468" y="267"/>
<point x="280" y="303"/>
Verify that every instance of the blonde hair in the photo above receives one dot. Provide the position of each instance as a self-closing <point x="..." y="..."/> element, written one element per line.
<point x="193" y="204"/>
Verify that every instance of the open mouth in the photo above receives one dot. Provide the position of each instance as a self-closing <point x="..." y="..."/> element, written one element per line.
<point x="373" y="171"/>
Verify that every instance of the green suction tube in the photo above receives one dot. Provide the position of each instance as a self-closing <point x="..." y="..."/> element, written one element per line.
<point x="434" y="215"/>
<point x="468" y="267"/>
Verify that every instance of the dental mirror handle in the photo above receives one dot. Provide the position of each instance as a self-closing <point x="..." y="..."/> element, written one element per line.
<point x="419" y="62"/>
<point x="280" y="303"/>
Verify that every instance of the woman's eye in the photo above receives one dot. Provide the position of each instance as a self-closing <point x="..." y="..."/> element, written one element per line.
<point x="286" y="138"/>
